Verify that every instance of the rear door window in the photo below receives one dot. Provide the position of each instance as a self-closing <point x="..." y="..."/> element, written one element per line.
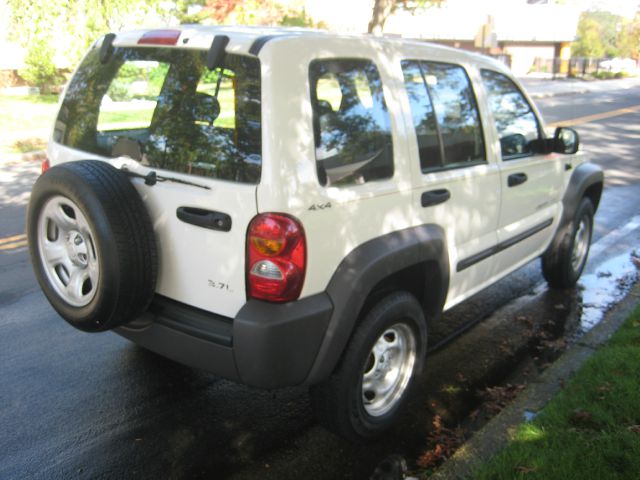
<point x="164" y="108"/>
<point x="350" y="121"/>
<point x="445" y="115"/>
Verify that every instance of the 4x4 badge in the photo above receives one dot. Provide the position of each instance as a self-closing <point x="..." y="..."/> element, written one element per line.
<point x="320" y="206"/>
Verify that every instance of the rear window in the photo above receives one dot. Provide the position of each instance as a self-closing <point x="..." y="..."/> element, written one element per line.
<point x="164" y="108"/>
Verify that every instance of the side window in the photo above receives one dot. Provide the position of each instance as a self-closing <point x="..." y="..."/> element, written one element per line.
<point x="350" y="122"/>
<point x="445" y="115"/>
<point x="516" y="123"/>
<point x="424" y="119"/>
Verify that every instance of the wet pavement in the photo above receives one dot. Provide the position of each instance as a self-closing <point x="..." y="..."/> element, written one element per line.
<point x="75" y="405"/>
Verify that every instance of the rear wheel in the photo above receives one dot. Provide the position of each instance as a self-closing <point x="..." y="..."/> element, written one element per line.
<point x="563" y="266"/>
<point x="365" y="394"/>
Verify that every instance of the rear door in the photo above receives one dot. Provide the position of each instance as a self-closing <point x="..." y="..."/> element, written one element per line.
<point x="530" y="181"/>
<point x="457" y="187"/>
<point x="161" y="110"/>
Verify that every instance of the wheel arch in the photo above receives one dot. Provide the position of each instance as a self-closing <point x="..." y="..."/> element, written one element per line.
<point x="587" y="180"/>
<point x="414" y="259"/>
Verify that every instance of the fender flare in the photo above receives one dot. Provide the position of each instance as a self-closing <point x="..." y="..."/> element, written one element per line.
<point x="364" y="268"/>
<point x="586" y="175"/>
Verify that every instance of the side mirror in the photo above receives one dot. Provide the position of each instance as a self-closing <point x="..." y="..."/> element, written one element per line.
<point x="566" y="140"/>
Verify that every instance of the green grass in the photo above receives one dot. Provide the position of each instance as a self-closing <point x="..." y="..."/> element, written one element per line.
<point x="25" y="122"/>
<point x="27" y="113"/>
<point x="591" y="429"/>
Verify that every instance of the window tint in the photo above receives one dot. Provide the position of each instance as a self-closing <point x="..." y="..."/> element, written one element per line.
<point x="516" y="123"/>
<point x="164" y="108"/>
<point x="350" y="122"/>
<point x="131" y="98"/>
<point x="424" y="120"/>
<point x="445" y="115"/>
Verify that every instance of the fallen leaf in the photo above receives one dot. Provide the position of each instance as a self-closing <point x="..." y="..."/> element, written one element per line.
<point x="526" y="470"/>
<point x="581" y="419"/>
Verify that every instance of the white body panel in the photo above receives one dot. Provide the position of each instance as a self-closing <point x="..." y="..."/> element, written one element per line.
<point x="206" y="268"/>
<point x="197" y="266"/>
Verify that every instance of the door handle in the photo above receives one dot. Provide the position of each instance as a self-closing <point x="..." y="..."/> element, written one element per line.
<point x="204" y="218"/>
<point x="435" y="197"/>
<point x="516" y="179"/>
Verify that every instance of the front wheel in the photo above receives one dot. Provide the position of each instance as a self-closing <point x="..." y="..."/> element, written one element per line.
<point x="563" y="265"/>
<point x="365" y="394"/>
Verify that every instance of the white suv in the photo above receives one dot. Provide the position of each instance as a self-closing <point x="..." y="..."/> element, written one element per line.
<point x="287" y="207"/>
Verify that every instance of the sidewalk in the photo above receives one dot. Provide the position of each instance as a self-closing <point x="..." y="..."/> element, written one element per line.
<point x="543" y="88"/>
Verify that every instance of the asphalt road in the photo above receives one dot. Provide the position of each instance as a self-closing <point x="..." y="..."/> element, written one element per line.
<point x="76" y="405"/>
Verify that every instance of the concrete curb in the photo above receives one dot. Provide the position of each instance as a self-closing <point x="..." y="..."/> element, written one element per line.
<point x="564" y="93"/>
<point x="496" y="434"/>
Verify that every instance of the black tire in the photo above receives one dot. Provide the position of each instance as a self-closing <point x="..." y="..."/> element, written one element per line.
<point x="558" y="266"/>
<point x="339" y="402"/>
<point x="94" y="206"/>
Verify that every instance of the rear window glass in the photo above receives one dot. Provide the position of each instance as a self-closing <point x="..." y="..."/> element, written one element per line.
<point x="164" y="108"/>
<point x="350" y="121"/>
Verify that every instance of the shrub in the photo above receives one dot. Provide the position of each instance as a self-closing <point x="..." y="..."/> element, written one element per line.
<point x="39" y="69"/>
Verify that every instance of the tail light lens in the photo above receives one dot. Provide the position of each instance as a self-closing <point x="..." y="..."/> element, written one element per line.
<point x="276" y="258"/>
<point x="45" y="165"/>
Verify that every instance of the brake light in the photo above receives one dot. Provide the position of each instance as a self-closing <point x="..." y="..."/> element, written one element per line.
<point x="160" y="37"/>
<point x="45" y="165"/>
<point x="276" y="257"/>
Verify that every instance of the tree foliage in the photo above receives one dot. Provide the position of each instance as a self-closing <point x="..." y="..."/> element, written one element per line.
<point x="383" y="9"/>
<point x="629" y="39"/>
<point x="60" y="31"/>
<point x="257" y="12"/>
<point x="604" y="34"/>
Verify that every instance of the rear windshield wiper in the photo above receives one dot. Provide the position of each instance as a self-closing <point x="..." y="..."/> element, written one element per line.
<point x="152" y="178"/>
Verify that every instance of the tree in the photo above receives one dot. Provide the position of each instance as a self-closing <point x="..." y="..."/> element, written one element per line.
<point x="588" y="39"/>
<point x="598" y="35"/>
<point x="61" y="30"/>
<point x="383" y="9"/>
<point x="629" y="38"/>
<point x="257" y="12"/>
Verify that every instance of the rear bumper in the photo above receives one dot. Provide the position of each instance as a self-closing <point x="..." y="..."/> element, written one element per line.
<point x="267" y="345"/>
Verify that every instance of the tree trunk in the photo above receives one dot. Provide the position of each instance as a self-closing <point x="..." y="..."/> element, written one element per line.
<point x="381" y="11"/>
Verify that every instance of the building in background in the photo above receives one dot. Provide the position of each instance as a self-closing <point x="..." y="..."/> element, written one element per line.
<point x="521" y="32"/>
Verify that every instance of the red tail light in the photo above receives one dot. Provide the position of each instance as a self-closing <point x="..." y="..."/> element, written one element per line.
<point x="276" y="258"/>
<point x="45" y="165"/>
<point x="160" y="37"/>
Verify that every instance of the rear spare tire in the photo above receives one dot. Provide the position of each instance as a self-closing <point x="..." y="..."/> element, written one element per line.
<point x="92" y="245"/>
